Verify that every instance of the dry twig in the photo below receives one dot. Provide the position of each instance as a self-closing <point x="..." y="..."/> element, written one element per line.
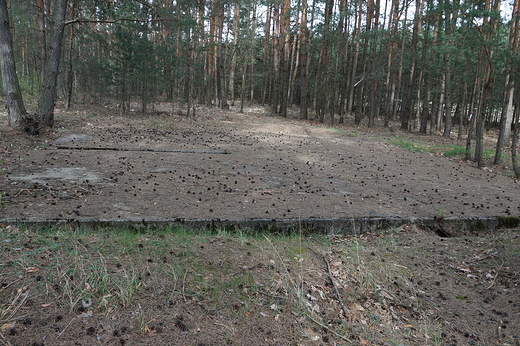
<point x="331" y="277"/>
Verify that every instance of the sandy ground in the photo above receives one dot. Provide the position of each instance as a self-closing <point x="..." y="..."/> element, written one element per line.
<point x="225" y="165"/>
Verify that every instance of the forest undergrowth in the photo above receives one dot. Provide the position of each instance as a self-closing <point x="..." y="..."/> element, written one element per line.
<point x="404" y="286"/>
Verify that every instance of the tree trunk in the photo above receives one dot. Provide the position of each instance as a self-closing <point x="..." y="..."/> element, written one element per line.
<point x="285" y="36"/>
<point x="396" y="104"/>
<point x="70" y="73"/>
<point x="304" y="68"/>
<point x="390" y="80"/>
<point x="471" y="119"/>
<point x="351" y="108"/>
<point x="373" y="110"/>
<point x="425" y="113"/>
<point x="507" y="108"/>
<point x="514" y="145"/>
<point x="486" y="55"/>
<point x="323" y="87"/>
<point x="251" y="54"/>
<point x="277" y="52"/>
<point x="408" y="101"/>
<point x="40" y="5"/>
<point x="220" y="65"/>
<point x="266" y="76"/>
<point x="47" y="99"/>
<point x="17" y="115"/>
<point x="446" y="80"/>
<point x="452" y="17"/>
<point x="295" y="57"/>
<point x="505" y="119"/>
<point x="232" y="71"/>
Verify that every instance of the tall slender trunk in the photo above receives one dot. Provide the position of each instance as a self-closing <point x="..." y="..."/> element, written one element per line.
<point x="40" y="5"/>
<point x="425" y="104"/>
<point x="277" y="52"/>
<point x="373" y="110"/>
<point x="390" y="80"/>
<point x="47" y="99"/>
<point x="352" y="85"/>
<point x="472" y="116"/>
<point x="295" y="56"/>
<point x="70" y="73"/>
<point x="232" y="71"/>
<point x="506" y="116"/>
<point x="252" y="32"/>
<point x="285" y="36"/>
<point x="408" y="101"/>
<point x="452" y="18"/>
<point x="266" y="76"/>
<point x="304" y="68"/>
<point x="490" y="28"/>
<point x="396" y="105"/>
<point x="323" y="87"/>
<point x="514" y="145"/>
<point x="343" y="70"/>
<point x="220" y="65"/>
<point x="462" y="105"/>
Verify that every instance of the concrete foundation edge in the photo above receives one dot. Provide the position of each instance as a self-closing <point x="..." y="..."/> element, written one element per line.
<point x="443" y="226"/>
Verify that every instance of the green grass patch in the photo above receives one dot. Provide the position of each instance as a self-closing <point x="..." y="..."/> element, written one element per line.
<point x="408" y="145"/>
<point x="448" y="150"/>
<point x="107" y="269"/>
<point x="455" y="151"/>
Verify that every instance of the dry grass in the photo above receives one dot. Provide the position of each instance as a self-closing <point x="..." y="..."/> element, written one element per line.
<point x="174" y="286"/>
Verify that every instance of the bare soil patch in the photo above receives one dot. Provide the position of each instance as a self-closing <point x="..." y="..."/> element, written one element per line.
<point x="224" y="165"/>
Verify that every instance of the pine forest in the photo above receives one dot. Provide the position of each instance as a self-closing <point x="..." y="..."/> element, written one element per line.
<point x="434" y="66"/>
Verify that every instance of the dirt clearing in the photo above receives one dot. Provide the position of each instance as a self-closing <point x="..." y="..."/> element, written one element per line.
<point x="225" y="165"/>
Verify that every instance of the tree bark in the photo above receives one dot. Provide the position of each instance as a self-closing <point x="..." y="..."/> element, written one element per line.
<point x="40" y="4"/>
<point x="266" y="76"/>
<point x="322" y="85"/>
<point x="408" y="101"/>
<point x="447" y="69"/>
<point x="70" y="73"/>
<point x="390" y="79"/>
<point x="47" y="99"/>
<point x="507" y="107"/>
<point x="425" y="113"/>
<point x="285" y="36"/>
<point x="351" y="108"/>
<point x="232" y="71"/>
<point x="304" y="67"/>
<point x="17" y="115"/>
<point x="489" y="29"/>
<point x="514" y="145"/>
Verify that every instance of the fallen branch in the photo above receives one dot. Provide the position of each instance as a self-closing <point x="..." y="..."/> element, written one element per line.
<point x="331" y="277"/>
<point x="19" y="192"/>
<point x="67" y="326"/>
<point x="329" y="329"/>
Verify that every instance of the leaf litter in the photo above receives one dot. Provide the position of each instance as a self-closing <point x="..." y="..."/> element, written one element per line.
<point x="401" y="286"/>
